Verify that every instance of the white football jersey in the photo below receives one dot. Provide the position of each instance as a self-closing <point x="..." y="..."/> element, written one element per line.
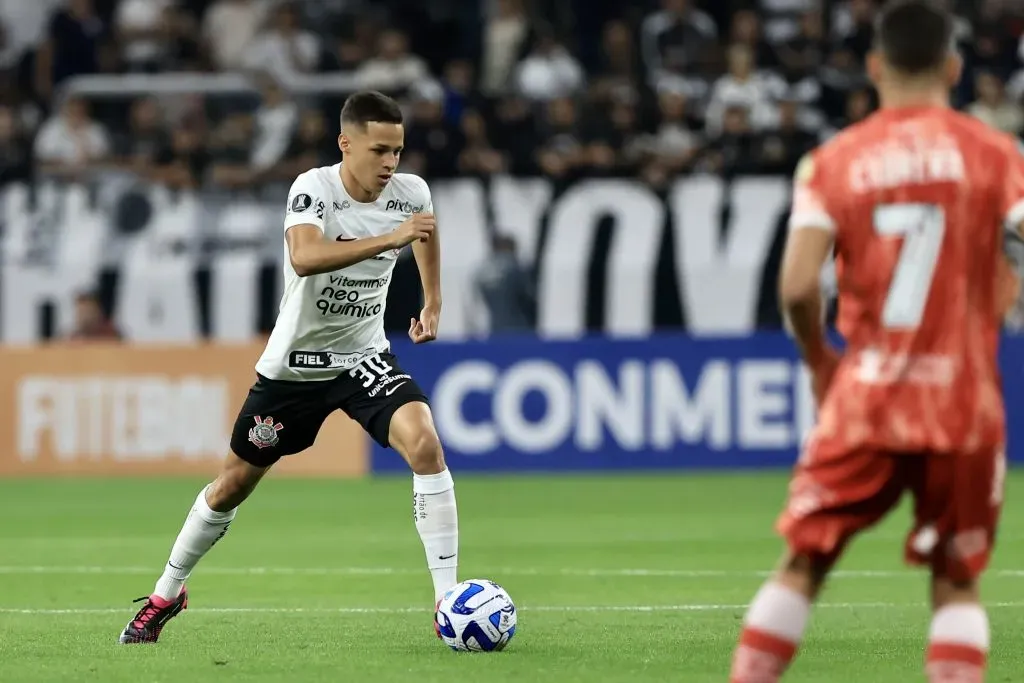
<point x="327" y="323"/>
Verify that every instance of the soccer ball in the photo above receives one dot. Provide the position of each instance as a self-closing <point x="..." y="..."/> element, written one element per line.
<point x="476" y="616"/>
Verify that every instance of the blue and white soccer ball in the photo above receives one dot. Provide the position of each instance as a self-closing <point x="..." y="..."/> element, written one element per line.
<point x="476" y="616"/>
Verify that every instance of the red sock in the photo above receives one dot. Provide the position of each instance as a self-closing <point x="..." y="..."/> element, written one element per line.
<point x="772" y="631"/>
<point x="950" y="663"/>
<point x="760" y="657"/>
<point x="958" y="645"/>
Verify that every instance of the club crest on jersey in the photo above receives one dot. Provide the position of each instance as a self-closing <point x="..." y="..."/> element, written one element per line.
<point x="264" y="434"/>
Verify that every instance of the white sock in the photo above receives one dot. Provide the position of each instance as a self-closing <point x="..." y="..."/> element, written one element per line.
<point x="203" y="527"/>
<point x="779" y="611"/>
<point x="958" y="644"/>
<point x="772" y="631"/>
<point x="437" y="521"/>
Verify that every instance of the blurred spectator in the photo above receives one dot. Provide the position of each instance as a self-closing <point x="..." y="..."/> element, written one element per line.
<point x="615" y="145"/>
<point x="230" y="152"/>
<point x="348" y="54"/>
<point x="515" y="134"/>
<point x="26" y="113"/>
<point x="991" y="50"/>
<point x="675" y="144"/>
<point x="25" y="25"/>
<point x="432" y="142"/>
<point x="504" y="36"/>
<point x="782" y="18"/>
<point x="283" y="49"/>
<point x="801" y="55"/>
<point x="70" y="142"/>
<point x="620" y="73"/>
<point x="186" y="51"/>
<point x="678" y="39"/>
<point x="72" y="46"/>
<point x="15" y="157"/>
<point x="561" y="151"/>
<point x="188" y="159"/>
<point x="746" y="30"/>
<point x="310" y="147"/>
<point x="459" y="94"/>
<point x="859" y="105"/>
<point x="858" y="30"/>
<point x="506" y="288"/>
<point x="229" y="26"/>
<point x="478" y="156"/>
<point x="549" y="71"/>
<point x="356" y="42"/>
<point x="743" y="86"/>
<point x="393" y="68"/>
<point x="994" y="107"/>
<point x="145" y="32"/>
<point x="274" y="125"/>
<point x="840" y="75"/>
<point x="734" y="150"/>
<point x="780" y="150"/>
<point x="10" y="54"/>
<point x="91" y="321"/>
<point x="146" y="144"/>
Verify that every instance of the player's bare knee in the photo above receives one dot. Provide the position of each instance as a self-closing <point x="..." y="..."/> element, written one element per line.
<point x="947" y="591"/>
<point x="804" y="573"/>
<point x="236" y="481"/>
<point x="424" y="453"/>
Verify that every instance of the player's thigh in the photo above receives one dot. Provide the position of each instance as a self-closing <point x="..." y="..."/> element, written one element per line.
<point x="834" y="495"/>
<point x="374" y="391"/>
<point x="277" y="419"/>
<point x="957" y="504"/>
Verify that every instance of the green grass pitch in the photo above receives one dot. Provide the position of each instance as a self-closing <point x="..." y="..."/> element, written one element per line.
<point x="617" y="578"/>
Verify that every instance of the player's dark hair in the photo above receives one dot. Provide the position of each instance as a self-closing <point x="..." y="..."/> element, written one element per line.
<point x="363" y="107"/>
<point x="915" y="36"/>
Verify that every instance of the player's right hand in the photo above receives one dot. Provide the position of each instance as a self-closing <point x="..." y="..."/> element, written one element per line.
<point x="419" y="226"/>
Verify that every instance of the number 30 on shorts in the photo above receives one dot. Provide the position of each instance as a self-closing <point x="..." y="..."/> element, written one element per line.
<point x="371" y="370"/>
<point x="922" y="226"/>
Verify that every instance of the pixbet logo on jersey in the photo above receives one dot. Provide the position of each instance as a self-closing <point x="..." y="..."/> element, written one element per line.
<point x="404" y="207"/>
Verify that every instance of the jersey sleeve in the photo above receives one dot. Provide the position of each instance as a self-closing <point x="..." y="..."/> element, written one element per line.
<point x="306" y="202"/>
<point x="423" y="197"/>
<point x="810" y="205"/>
<point x="1012" y="200"/>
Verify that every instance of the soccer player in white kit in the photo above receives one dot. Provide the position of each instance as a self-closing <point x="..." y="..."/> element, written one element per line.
<point x="343" y="230"/>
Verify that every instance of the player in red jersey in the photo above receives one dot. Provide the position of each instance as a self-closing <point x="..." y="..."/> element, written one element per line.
<point x="913" y="203"/>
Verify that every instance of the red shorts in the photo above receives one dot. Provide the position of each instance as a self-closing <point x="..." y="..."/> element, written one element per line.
<point x="836" y="493"/>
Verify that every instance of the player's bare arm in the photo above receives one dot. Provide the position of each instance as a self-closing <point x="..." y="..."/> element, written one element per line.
<point x="806" y="251"/>
<point x="311" y="254"/>
<point x="427" y="253"/>
<point x="805" y="255"/>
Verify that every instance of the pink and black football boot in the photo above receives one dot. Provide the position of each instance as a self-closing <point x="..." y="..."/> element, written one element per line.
<point x="151" y="619"/>
<point x="437" y="626"/>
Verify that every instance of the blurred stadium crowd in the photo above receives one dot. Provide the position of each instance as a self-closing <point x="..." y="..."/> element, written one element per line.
<point x="562" y="89"/>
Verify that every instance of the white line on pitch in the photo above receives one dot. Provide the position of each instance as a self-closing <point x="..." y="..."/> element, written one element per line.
<point x="500" y="571"/>
<point x="412" y="610"/>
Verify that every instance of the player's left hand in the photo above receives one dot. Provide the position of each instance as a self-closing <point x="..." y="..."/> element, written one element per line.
<point x="424" y="329"/>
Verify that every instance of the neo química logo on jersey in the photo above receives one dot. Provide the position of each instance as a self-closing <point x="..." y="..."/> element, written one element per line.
<point x="536" y="406"/>
<point x="341" y="297"/>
